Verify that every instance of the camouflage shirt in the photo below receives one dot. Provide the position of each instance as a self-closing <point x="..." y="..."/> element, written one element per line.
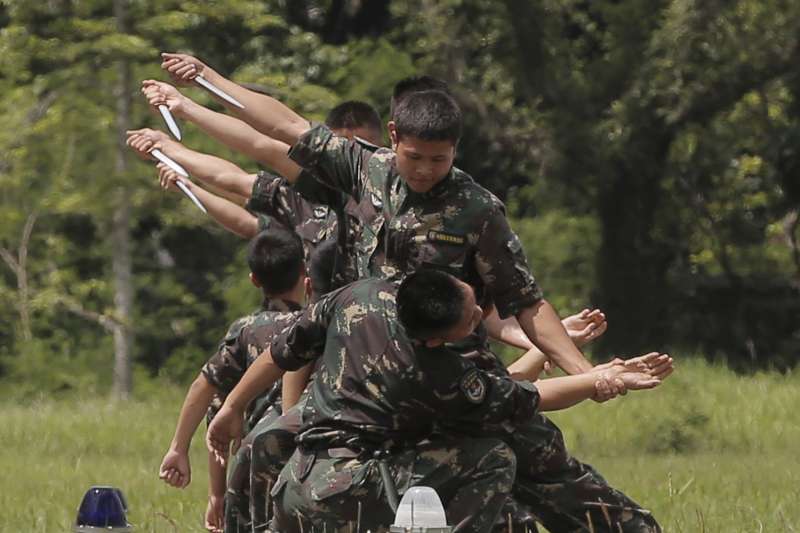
<point x="315" y="213"/>
<point x="275" y="197"/>
<point x="246" y="339"/>
<point x="458" y="225"/>
<point x="375" y="387"/>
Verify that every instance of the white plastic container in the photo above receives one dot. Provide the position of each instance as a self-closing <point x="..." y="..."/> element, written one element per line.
<point x="420" y="511"/>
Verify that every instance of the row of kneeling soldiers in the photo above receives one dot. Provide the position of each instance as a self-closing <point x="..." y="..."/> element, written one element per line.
<point x="367" y="370"/>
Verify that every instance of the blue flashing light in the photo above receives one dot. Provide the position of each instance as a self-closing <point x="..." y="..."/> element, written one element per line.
<point x="102" y="507"/>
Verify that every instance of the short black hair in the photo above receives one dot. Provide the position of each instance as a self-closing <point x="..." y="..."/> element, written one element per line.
<point x="353" y="114"/>
<point x="320" y="268"/>
<point x="275" y="257"/>
<point x="415" y="84"/>
<point x="429" y="302"/>
<point x="430" y="116"/>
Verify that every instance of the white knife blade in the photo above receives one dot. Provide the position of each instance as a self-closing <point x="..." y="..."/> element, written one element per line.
<point x="182" y="186"/>
<point x="161" y="156"/>
<point x="207" y="85"/>
<point x="170" y="120"/>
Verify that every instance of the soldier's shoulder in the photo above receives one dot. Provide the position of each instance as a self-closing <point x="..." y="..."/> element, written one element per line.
<point x="367" y="291"/>
<point x="235" y="329"/>
<point x="382" y="156"/>
<point x="471" y="193"/>
<point x="366" y="145"/>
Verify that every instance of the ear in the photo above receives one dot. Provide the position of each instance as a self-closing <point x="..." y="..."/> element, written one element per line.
<point x="392" y="127"/>
<point x="255" y="281"/>
<point x="308" y="286"/>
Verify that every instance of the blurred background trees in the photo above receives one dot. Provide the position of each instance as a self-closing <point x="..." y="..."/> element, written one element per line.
<point x="647" y="150"/>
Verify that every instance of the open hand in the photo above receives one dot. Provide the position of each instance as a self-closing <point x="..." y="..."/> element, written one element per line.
<point x="175" y="469"/>
<point x="585" y="326"/>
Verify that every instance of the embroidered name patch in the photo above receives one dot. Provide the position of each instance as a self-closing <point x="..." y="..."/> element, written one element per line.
<point x="449" y="238"/>
<point x="473" y="386"/>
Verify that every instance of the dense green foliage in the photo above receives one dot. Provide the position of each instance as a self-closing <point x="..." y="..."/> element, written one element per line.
<point x="648" y="151"/>
<point x="708" y="451"/>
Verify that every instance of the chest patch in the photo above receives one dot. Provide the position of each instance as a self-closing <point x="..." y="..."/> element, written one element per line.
<point x="320" y="211"/>
<point x="448" y="238"/>
<point x="473" y="386"/>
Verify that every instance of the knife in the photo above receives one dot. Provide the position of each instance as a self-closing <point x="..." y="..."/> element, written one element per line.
<point x="210" y="87"/>
<point x="170" y="120"/>
<point x="161" y="156"/>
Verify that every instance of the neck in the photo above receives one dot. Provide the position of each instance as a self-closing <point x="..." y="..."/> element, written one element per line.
<point x="295" y="295"/>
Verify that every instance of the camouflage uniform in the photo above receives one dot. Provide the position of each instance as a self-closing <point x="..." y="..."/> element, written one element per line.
<point x="274" y="196"/>
<point x="224" y="370"/>
<point x="461" y="227"/>
<point x="377" y="390"/>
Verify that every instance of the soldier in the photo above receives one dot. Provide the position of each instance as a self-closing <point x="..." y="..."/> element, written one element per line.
<point x="349" y="118"/>
<point x="276" y="257"/>
<point x="387" y="375"/>
<point x="417" y="209"/>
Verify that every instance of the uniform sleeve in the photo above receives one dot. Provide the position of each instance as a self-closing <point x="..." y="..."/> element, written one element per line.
<point x="335" y="161"/>
<point x="303" y="340"/>
<point x="503" y="267"/>
<point x="226" y="367"/>
<point x="310" y="188"/>
<point x="273" y="197"/>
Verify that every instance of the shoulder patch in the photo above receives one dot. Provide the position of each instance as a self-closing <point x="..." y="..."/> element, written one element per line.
<point x="473" y="386"/>
<point x="449" y="238"/>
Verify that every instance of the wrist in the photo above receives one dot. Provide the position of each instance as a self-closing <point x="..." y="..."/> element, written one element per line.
<point x="179" y="447"/>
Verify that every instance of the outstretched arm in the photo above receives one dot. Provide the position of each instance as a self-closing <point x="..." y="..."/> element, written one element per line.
<point x="214" y="172"/>
<point x="175" y="468"/>
<point x="232" y="217"/>
<point x="563" y="392"/>
<point x="543" y="327"/>
<point x="264" y="113"/>
<point x="228" y="130"/>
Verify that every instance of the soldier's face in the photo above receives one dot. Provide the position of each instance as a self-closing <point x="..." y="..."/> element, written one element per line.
<point x="471" y="316"/>
<point x="422" y="164"/>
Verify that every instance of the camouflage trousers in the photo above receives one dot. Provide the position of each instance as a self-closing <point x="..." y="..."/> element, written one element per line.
<point x="241" y="494"/>
<point x="254" y="470"/>
<point x="564" y="494"/>
<point x="324" y="491"/>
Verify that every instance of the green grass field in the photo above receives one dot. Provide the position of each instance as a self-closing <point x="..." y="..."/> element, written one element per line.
<point x="708" y="451"/>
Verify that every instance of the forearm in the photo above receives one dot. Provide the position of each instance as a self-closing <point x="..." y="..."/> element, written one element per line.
<point x="544" y="329"/>
<point x="194" y="408"/>
<point x="241" y="137"/>
<point x="507" y="330"/>
<point x="566" y="391"/>
<point x="211" y="170"/>
<point x="261" y="375"/>
<point x="216" y="477"/>
<point x="264" y="113"/>
<point x="294" y="383"/>
<point x="232" y="217"/>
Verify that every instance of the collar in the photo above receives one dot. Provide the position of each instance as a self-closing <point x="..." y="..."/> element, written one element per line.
<point x="279" y="305"/>
<point x="436" y="191"/>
